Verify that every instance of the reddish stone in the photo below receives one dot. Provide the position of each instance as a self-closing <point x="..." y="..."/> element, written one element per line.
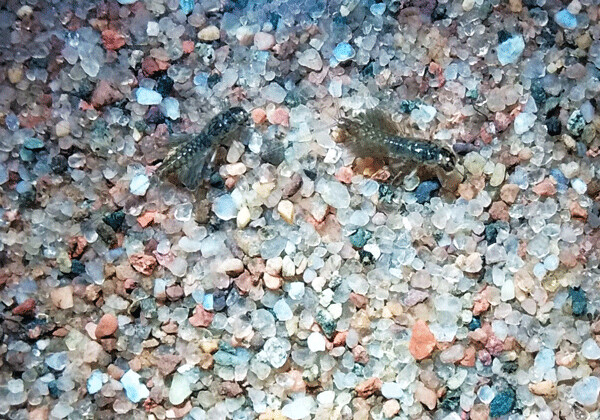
<point x="170" y="327"/>
<point x="508" y="160"/>
<point x="360" y="354"/>
<point x="330" y="229"/>
<point x="129" y="284"/>
<point x="151" y="246"/>
<point x="279" y="116"/>
<point x="510" y="343"/>
<point x="502" y="121"/>
<point x="34" y="332"/>
<point x="568" y="258"/>
<point x="485" y="357"/>
<point x="201" y="317"/>
<point x="174" y="292"/>
<point x="39" y="413"/>
<point x="422" y="342"/>
<point x="480" y="335"/>
<point x="143" y="263"/>
<point x="436" y="69"/>
<point x="230" y="389"/>
<point x="244" y="282"/>
<point x="467" y="191"/>
<point x="181" y="410"/>
<point x="259" y="115"/>
<point x="426" y="396"/>
<point x="230" y="182"/>
<point x="367" y="388"/>
<point x="340" y="338"/>
<point x="359" y="301"/>
<point x="25" y="308"/>
<point x="509" y="192"/>
<point x="577" y="212"/>
<point x="499" y="211"/>
<point x="112" y="39"/>
<point x="84" y="106"/>
<point x="31" y="121"/>
<point x="479" y="412"/>
<point x="522" y="250"/>
<point x="105" y="94"/>
<point x="295" y="383"/>
<point x="187" y="46"/>
<point x="344" y="175"/>
<point x="480" y="305"/>
<point x="469" y="357"/>
<point x="525" y="154"/>
<point x="494" y="346"/>
<point x="151" y="66"/>
<point x="486" y="137"/>
<point x="545" y="188"/>
<point x="60" y="332"/>
<point x="256" y="266"/>
<point x="107" y="326"/>
<point x="135" y="364"/>
<point x="77" y="245"/>
<point x="381" y="175"/>
<point x="167" y="363"/>
<point x="164" y="259"/>
<point x="114" y="372"/>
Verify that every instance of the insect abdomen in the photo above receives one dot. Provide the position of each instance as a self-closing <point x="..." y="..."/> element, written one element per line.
<point x="413" y="149"/>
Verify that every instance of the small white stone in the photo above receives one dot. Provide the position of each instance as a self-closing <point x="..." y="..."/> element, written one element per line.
<point x="62" y="297"/>
<point x="139" y="185"/>
<point x="225" y="207"/>
<point x="145" y="96"/>
<point x="392" y="390"/>
<point x="474" y="163"/>
<point x="152" y="29"/>
<point x="335" y="309"/>
<point x="209" y="34"/>
<point x="316" y="342"/>
<point x="263" y="41"/>
<point x="288" y="269"/>
<point x="180" y="389"/>
<point x="232" y="266"/>
<point x="273" y="266"/>
<point x="170" y="108"/>
<point x="285" y="208"/>
<point x="63" y="128"/>
<point x="326" y="398"/>
<point x="244" y="35"/>
<point x="590" y="349"/>
<point x="299" y="408"/>
<point x="311" y="59"/>
<point x="24" y="11"/>
<point x="586" y="390"/>
<point x="498" y="175"/>
<point x="243" y="217"/>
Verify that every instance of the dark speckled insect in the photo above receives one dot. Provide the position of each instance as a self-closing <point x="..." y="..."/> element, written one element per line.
<point x="374" y="134"/>
<point x="188" y="159"/>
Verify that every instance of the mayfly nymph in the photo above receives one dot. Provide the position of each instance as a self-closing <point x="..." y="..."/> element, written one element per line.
<point x="374" y="134"/>
<point x="189" y="159"/>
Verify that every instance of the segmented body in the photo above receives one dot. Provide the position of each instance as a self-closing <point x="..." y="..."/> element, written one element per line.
<point x="189" y="159"/>
<point x="374" y="134"/>
<point x="420" y="151"/>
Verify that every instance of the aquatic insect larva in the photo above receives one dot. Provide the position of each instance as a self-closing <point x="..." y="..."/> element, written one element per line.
<point x="187" y="160"/>
<point x="374" y="134"/>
